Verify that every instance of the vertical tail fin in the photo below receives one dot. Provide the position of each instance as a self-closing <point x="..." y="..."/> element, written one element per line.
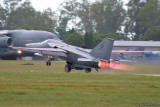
<point x="103" y="50"/>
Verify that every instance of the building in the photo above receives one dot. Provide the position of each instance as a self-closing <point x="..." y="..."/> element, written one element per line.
<point x="149" y="45"/>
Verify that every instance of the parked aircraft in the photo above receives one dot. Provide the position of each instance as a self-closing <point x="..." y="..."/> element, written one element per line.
<point x="18" y="38"/>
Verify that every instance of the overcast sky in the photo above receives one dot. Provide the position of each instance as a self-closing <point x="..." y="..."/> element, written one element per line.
<point x="44" y="4"/>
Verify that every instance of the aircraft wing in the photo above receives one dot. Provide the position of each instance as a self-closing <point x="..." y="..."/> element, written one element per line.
<point x="44" y="51"/>
<point x="73" y="49"/>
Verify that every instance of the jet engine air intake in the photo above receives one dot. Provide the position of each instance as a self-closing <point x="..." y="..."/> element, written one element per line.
<point x="5" y="42"/>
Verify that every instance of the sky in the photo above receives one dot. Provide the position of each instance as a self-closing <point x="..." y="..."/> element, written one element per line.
<point x="44" y="4"/>
<point x="41" y="5"/>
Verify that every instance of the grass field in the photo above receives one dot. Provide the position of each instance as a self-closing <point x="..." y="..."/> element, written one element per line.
<point x="32" y="84"/>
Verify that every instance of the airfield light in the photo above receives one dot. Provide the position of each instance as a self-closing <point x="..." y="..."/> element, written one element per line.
<point x="19" y="51"/>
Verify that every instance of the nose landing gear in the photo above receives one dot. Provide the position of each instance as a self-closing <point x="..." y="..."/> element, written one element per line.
<point x="48" y="60"/>
<point x="48" y="63"/>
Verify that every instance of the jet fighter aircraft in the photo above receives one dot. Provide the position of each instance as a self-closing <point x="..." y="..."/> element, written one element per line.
<point x="76" y="57"/>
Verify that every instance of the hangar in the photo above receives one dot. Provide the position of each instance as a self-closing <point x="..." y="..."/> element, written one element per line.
<point x="149" y="45"/>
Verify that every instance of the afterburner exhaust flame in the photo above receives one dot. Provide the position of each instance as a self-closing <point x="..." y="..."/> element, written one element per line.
<point x="114" y="65"/>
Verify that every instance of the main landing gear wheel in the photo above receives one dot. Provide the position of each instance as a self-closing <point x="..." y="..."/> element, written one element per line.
<point x="68" y="68"/>
<point x="48" y="63"/>
<point x="88" y="70"/>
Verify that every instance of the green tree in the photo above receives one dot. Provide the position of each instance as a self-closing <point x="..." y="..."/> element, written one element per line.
<point x="149" y="16"/>
<point x="62" y="27"/>
<point x="2" y="17"/>
<point x="131" y="27"/>
<point x="88" y="39"/>
<point x="67" y="14"/>
<point x="18" y="14"/>
<point x="108" y="16"/>
<point x="10" y="7"/>
<point x="102" y="16"/>
<point x="141" y="17"/>
<point x="21" y="15"/>
<point x="45" y="20"/>
<point x="152" y="33"/>
<point x="74" y="39"/>
<point x="84" y="14"/>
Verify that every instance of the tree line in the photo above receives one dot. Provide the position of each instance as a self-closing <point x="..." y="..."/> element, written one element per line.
<point x="85" y="23"/>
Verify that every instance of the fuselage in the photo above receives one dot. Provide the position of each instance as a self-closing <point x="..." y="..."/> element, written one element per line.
<point x="22" y="37"/>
